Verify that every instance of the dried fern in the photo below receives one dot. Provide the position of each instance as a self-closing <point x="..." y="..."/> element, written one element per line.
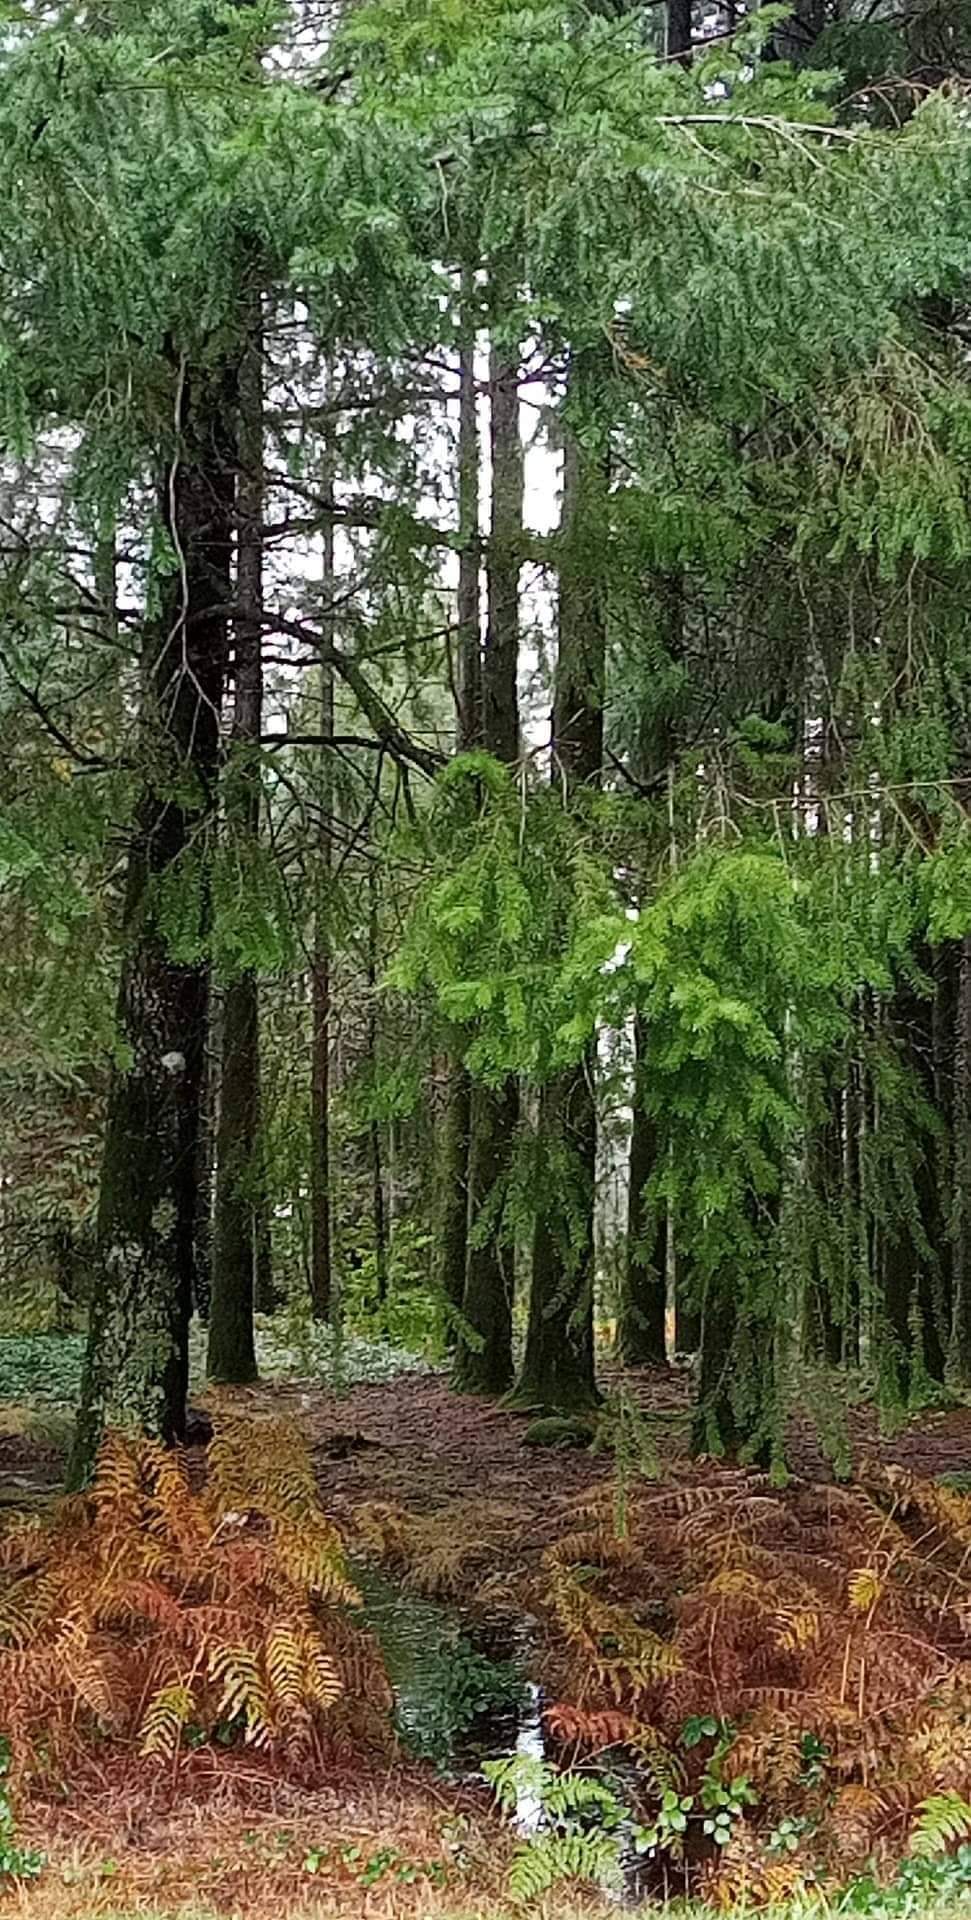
<point x="149" y="1606"/>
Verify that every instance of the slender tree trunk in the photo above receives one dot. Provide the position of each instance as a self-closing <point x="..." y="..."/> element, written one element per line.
<point x="321" y="1214"/>
<point x="205" y="1172"/>
<point x="641" y="1335"/>
<point x="914" y="1249"/>
<point x="679" y="30"/>
<point x="240" y="1195"/>
<point x="855" y="1226"/>
<point x="456" y="1129"/>
<point x="483" y="1360"/>
<point x="823" y="1316"/>
<point x="558" y="1363"/>
<point x="136" y="1367"/>
<point x="960" y="1355"/>
<point x="454" y="1221"/>
<point x="378" y="1205"/>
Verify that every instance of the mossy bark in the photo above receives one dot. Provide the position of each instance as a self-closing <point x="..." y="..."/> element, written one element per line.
<point x="823" y="1315"/>
<point x="483" y="1356"/>
<point x="484" y="1363"/>
<point x="136" y="1365"/>
<point x="322" y="1290"/>
<point x="915" y="1265"/>
<point x="960" y="1353"/>
<point x="457" y="1121"/>
<point x="735" y="1412"/>
<point x="453" y="1226"/>
<point x="557" y="1374"/>
<point x="558" y="1364"/>
<point x="641" y="1330"/>
<point x="240" y="1190"/>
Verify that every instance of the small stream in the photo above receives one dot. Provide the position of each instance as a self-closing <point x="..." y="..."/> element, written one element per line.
<point x="461" y="1701"/>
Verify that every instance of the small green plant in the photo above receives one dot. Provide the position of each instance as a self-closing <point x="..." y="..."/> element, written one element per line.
<point x="16" y="1862"/>
<point x="815" y="1755"/>
<point x="724" y="1802"/>
<point x="921" y="1885"/>
<point x="943" y="1819"/>
<point x="788" y="1836"/>
<point x="371" y="1870"/>
<point x="666" y="1832"/>
<point x="580" y="1826"/>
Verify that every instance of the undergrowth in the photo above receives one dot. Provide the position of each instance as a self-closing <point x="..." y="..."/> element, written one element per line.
<point x="781" y="1673"/>
<point x="168" y="1616"/>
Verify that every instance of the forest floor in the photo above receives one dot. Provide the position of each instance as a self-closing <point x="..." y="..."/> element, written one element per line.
<point x="395" y="1839"/>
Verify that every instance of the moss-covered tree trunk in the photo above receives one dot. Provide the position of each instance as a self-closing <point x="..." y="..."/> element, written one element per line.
<point x="453" y="1225"/>
<point x="483" y="1358"/>
<point x="960" y="1353"/>
<point x="240" y="1195"/>
<point x="379" y="1205"/>
<point x="558" y="1362"/>
<point x="823" y="1311"/>
<point x="457" y="1117"/>
<point x="737" y="1413"/>
<point x="136" y="1366"/>
<point x="321" y="1210"/>
<point x="915" y="1251"/>
<point x="643" y="1310"/>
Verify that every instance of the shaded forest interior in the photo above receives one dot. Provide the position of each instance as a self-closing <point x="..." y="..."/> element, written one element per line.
<point x="485" y="691"/>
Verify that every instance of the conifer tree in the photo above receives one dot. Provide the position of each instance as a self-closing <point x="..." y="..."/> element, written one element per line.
<point x="558" y="1363"/>
<point x="484" y="1361"/>
<point x="240" y="1195"/>
<point x="457" y="1121"/>
<point x="136" y="1367"/>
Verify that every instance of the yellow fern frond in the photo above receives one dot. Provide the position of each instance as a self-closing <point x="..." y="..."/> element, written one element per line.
<point x="165" y="1716"/>
<point x="243" y="1692"/>
<point x="284" y="1660"/>
<point x="322" y="1677"/>
<point x="863" y="1589"/>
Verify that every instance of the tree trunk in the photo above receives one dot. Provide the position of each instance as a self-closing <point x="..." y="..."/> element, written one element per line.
<point x="960" y="1354"/>
<point x="240" y="1195"/>
<point x="483" y="1361"/>
<point x="558" y="1364"/>
<point x="913" y="1283"/>
<point x="378" y="1206"/>
<point x="454" y="1216"/>
<point x="205" y="1174"/>
<point x="643" y="1314"/>
<point x="736" y="1409"/>
<point x="823" y="1317"/>
<point x="136" y="1366"/>
<point x="321" y="1212"/>
<point x="679" y="30"/>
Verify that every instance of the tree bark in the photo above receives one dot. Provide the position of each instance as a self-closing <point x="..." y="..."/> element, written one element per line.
<point x="483" y="1359"/>
<point x="456" y="1129"/>
<point x="643" y="1314"/>
<point x="960" y="1354"/>
<point x="679" y="30"/>
<point x="558" y="1363"/>
<point x="378" y="1204"/>
<point x="321" y="1211"/>
<point x="136" y="1366"/>
<point x="240" y="1195"/>
<point x="913" y="1276"/>
<point x="823" y="1317"/>
<point x="454" y="1219"/>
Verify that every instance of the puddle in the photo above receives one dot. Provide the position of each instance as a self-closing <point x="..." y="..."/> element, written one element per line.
<point x="456" y="1704"/>
<point x="459" y="1706"/>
